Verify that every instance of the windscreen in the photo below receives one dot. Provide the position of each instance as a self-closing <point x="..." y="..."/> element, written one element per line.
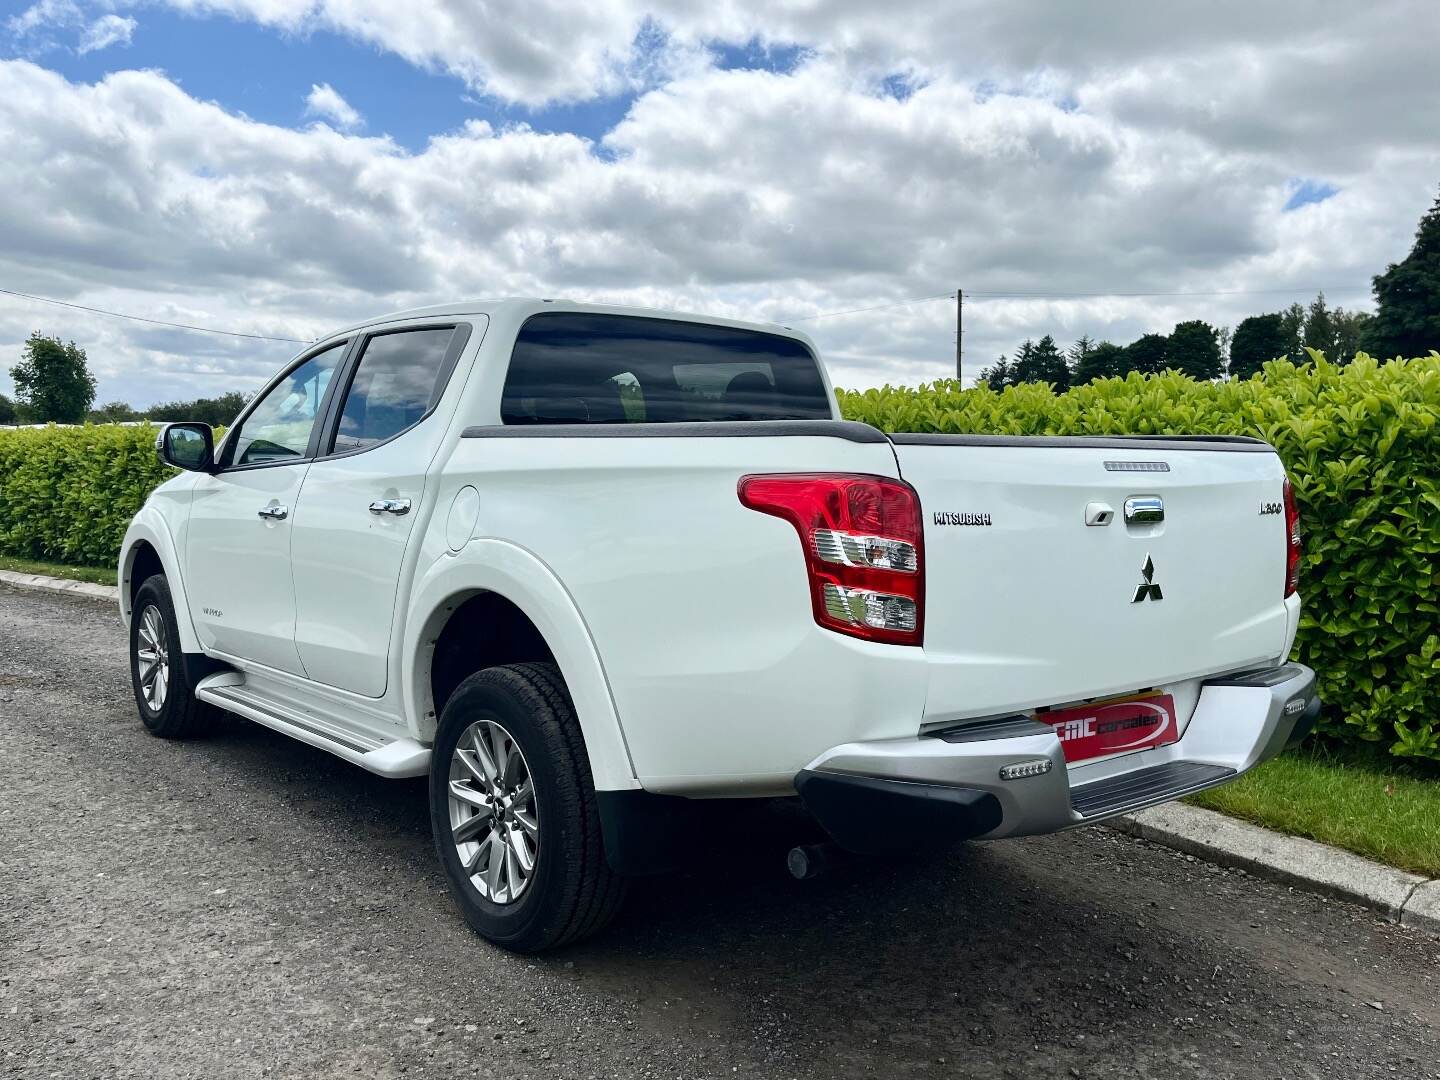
<point x="576" y="368"/>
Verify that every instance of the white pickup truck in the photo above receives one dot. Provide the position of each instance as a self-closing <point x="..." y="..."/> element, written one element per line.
<point x="584" y="566"/>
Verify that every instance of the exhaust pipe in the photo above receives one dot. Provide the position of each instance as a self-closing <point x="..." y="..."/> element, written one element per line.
<point x="808" y="861"/>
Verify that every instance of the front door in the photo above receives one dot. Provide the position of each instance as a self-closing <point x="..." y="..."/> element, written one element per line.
<point x="360" y="500"/>
<point x="237" y="551"/>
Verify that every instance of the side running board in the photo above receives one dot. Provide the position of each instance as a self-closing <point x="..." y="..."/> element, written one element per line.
<point x="393" y="758"/>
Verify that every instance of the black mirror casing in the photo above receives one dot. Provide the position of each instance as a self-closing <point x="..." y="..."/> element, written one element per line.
<point x="187" y="446"/>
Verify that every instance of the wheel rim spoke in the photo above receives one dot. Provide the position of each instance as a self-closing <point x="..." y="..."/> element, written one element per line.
<point x="519" y="849"/>
<point x="494" y="818"/>
<point x="469" y="796"/>
<point x="467" y="830"/>
<point x="496" y="869"/>
<point x="470" y="759"/>
<point x="527" y="823"/>
<point x="500" y="752"/>
<point x="489" y="771"/>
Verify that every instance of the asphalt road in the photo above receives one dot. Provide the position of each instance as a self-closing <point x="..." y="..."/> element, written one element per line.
<point x="247" y="906"/>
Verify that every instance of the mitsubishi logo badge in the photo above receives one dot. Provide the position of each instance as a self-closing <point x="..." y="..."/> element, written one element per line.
<point x="1147" y="589"/>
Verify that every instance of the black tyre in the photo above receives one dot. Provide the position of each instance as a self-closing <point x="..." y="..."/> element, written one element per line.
<point x="512" y="807"/>
<point x="163" y="694"/>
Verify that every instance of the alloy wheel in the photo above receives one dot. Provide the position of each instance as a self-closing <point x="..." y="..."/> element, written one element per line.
<point x="494" y="818"/>
<point x="152" y="659"/>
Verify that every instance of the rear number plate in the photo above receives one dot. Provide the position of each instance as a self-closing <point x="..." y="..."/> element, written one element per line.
<point x="1114" y="727"/>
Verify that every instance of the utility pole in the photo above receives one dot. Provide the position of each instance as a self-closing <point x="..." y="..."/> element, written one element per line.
<point x="959" y="329"/>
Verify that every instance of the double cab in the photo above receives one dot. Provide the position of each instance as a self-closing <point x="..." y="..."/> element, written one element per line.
<point x="588" y="568"/>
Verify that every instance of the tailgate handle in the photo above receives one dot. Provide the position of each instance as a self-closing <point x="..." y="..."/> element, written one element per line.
<point x="1144" y="509"/>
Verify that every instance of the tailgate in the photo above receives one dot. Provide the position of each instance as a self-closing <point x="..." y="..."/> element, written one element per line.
<point x="1027" y="604"/>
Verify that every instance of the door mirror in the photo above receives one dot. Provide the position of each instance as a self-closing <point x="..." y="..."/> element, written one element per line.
<point x="187" y="446"/>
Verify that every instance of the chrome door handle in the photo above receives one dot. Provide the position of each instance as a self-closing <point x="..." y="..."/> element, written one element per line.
<point x="398" y="507"/>
<point x="274" y="513"/>
<point x="1144" y="509"/>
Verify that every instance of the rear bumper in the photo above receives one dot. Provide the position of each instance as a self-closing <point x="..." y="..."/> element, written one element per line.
<point x="905" y="793"/>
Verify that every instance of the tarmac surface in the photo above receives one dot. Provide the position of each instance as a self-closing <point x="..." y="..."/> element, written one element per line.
<point x="246" y="906"/>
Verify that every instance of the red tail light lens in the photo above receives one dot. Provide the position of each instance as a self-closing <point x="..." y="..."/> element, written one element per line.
<point x="864" y="549"/>
<point x="1293" y="546"/>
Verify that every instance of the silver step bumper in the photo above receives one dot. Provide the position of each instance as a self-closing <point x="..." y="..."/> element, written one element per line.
<point x="1237" y="723"/>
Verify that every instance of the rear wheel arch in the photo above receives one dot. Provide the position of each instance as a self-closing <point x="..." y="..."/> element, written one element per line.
<point x="503" y="606"/>
<point x="479" y="630"/>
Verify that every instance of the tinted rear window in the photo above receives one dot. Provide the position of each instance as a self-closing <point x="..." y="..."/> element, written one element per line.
<point x="572" y="368"/>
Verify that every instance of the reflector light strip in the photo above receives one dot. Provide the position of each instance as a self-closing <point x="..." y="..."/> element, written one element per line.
<point x="1022" y="769"/>
<point x="1137" y="466"/>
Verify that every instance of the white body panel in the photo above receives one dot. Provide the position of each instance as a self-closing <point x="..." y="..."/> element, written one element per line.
<point x="237" y="564"/>
<point x="1037" y="608"/>
<point x="698" y="607"/>
<point x="681" y="620"/>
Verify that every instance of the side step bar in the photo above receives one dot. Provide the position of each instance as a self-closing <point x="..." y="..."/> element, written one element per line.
<point x="394" y="758"/>
<point x="1145" y="787"/>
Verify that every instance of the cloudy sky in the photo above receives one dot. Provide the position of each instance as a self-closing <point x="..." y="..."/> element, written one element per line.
<point x="279" y="167"/>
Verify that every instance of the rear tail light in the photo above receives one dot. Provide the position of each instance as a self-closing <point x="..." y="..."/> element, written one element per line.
<point x="1293" y="547"/>
<point x="864" y="549"/>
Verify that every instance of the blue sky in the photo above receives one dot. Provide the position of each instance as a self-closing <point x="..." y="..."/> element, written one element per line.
<point x="267" y="75"/>
<point x="780" y="160"/>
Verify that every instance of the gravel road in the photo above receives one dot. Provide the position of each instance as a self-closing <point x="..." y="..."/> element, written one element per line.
<point x="247" y="906"/>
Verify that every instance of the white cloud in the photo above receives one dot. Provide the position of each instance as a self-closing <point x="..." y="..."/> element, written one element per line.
<point x="44" y="13"/>
<point x="37" y="29"/>
<point x="325" y="102"/>
<point x="527" y="51"/>
<point x="34" y="29"/>
<point x="106" y="31"/>
<point x="1152" y="154"/>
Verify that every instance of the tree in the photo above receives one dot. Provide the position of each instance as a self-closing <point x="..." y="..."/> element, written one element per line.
<point x="52" y="381"/>
<point x="1104" y="359"/>
<point x="1352" y="328"/>
<point x="1258" y="340"/>
<point x="1223" y="337"/>
<point x="1148" y="354"/>
<point x="1042" y="361"/>
<point x="7" y="410"/>
<point x="1407" y="296"/>
<point x="217" y="412"/>
<point x="1078" y="354"/>
<point x="113" y="412"/>
<point x="1292" y="324"/>
<point x="1320" y="332"/>
<point x="1194" y="348"/>
<point x="998" y="375"/>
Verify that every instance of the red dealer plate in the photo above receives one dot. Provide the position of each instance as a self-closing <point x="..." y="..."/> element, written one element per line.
<point x="1114" y="727"/>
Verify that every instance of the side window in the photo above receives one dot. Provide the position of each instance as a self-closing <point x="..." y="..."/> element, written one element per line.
<point x="394" y="386"/>
<point x="279" y="426"/>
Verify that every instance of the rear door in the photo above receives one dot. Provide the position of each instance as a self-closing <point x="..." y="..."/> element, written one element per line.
<point x="1041" y="590"/>
<point x="362" y="498"/>
<point x="237" y="549"/>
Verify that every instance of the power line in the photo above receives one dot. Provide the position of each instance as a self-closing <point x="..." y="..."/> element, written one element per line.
<point x="972" y="294"/>
<point x="876" y="307"/>
<point x="1187" y="292"/>
<point x="152" y="322"/>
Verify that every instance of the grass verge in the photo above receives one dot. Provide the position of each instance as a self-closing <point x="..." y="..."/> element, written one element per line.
<point x="1374" y="806"/>
<point x="98" y="575"/>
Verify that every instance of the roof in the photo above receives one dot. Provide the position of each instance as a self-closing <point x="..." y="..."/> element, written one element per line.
<point x="492" y="307"/>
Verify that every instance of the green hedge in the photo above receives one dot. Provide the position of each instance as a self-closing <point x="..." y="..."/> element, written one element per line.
<point x="1363" y="450"/>
<point x="1361" y="443"/>
<point x="69" y="492"/>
